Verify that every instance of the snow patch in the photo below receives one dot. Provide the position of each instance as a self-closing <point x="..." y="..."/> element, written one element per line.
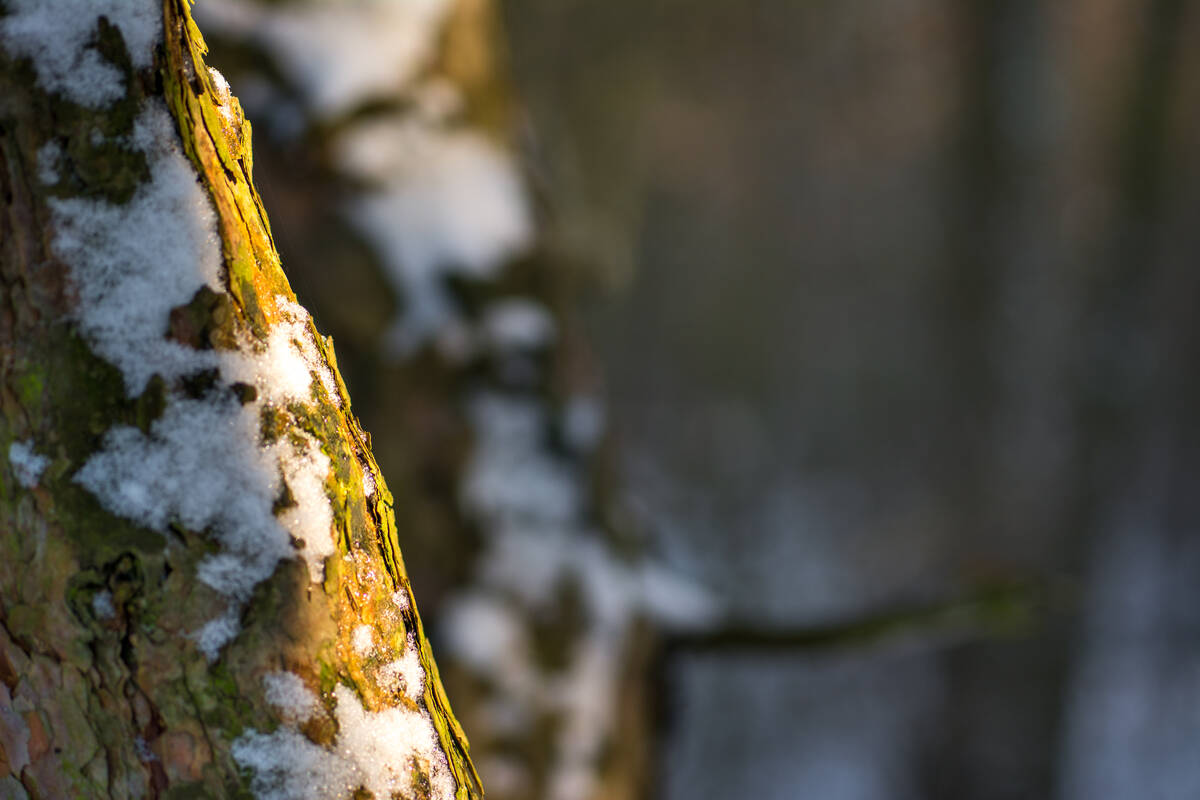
<point x="102" y="605"/>
<point x="49" y="159"/>
<point x="287" y="766"/>
<point x="517" y="324"/>
<point x="184" y="470"/>
<point x="287" y="692"/>
<point x="133" y="263"/>
<point x="225" y="102"/>
<point x="59" y="36"/>
<point x="490" y="638"/>
<point x="512" y="477"/>
<point x="374" y="751"/>
<point x="368" y="483"/>
<point x="339" y="55"/>
<point x="282" y="370"/>
<point x="201" y="464"/>
<point x="442" y="203"/>
<point x="363" y="640"/>
<point x="530" y="502"/>
<point x="404" y="675"/>
<point x="400" y="601"/>
<point x="216" y="633"/>
<point x="310" y="519"/>
<point x="27" y="465"/>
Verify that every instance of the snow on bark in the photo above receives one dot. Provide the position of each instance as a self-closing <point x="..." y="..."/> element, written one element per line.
<point x="26" y="465"/>
<point x="435" y="201"/>
<point x="201" y="464"/>
<point x="245" y="425"/>
<point x="132" y="263"/>
<point x="60" y="37"/>
<point x="339" y="55"/>
<point x="374" y="750"/>
<point x="441" y="198"/>
<point x="440" y="203"/>
<point x="530" y="504"/>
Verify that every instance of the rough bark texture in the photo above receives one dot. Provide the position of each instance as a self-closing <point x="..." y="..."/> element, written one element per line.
<point x="124" y="704"/>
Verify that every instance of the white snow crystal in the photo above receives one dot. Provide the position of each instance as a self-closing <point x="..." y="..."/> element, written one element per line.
<point x="201" y="464"/>
<point x="443" y="203"/>
<point x="338" y="54"/>
<point x="382" y="742"/>
<point x="49" y="158"/>
<point x="59" y="36"/>
<point x="184" y="470"/>
<point x="224" y="98"/>
<point x="287" y="766"/>
<point x="530" y="503"/>
<point x="102" y="605"/>
<point x="363" y="639"/>
<point x="487" y="636"/>
<point x="287" y="692"/>
<point x="283" y="368"/>
<point x="133" y="263"/>
<point x="368" y="483"/>
<point x="311" y="518"/>
<point x="517" y="323"/>
<point x="27" y="465"/>
<point x="512" y="477"/>
<point x="374" y="750"/>
<point x="400" y="600"/>
<point x="216" y="633"/>
<point x="404" y="674"/>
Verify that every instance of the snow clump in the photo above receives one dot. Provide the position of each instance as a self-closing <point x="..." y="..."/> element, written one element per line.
<point x="60" y="38"/>
<point x="374" y="750"/>
<point x="27" y="465"/>
<point x="201" y="464"/>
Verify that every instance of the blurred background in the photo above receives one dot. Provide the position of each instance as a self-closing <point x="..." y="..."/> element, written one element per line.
<point x="782" y="399"/>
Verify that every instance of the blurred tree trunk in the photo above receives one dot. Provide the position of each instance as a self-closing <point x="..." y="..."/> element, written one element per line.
<point x="469" y="368"/>
<point x="106" y="688"/>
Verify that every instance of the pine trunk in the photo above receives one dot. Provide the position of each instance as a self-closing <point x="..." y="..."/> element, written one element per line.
<point x="201" y="588"/>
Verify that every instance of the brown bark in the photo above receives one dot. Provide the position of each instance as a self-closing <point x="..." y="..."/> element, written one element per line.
<point x="106" y="692"/>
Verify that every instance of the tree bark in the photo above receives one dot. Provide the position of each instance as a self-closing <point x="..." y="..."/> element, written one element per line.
<point x="532" y="574"/>
<point x="108" y="686"/>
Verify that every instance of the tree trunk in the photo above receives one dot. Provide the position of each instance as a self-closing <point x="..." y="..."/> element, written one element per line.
<point x="201" y="588"/>
<point x="411" y="224"/>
